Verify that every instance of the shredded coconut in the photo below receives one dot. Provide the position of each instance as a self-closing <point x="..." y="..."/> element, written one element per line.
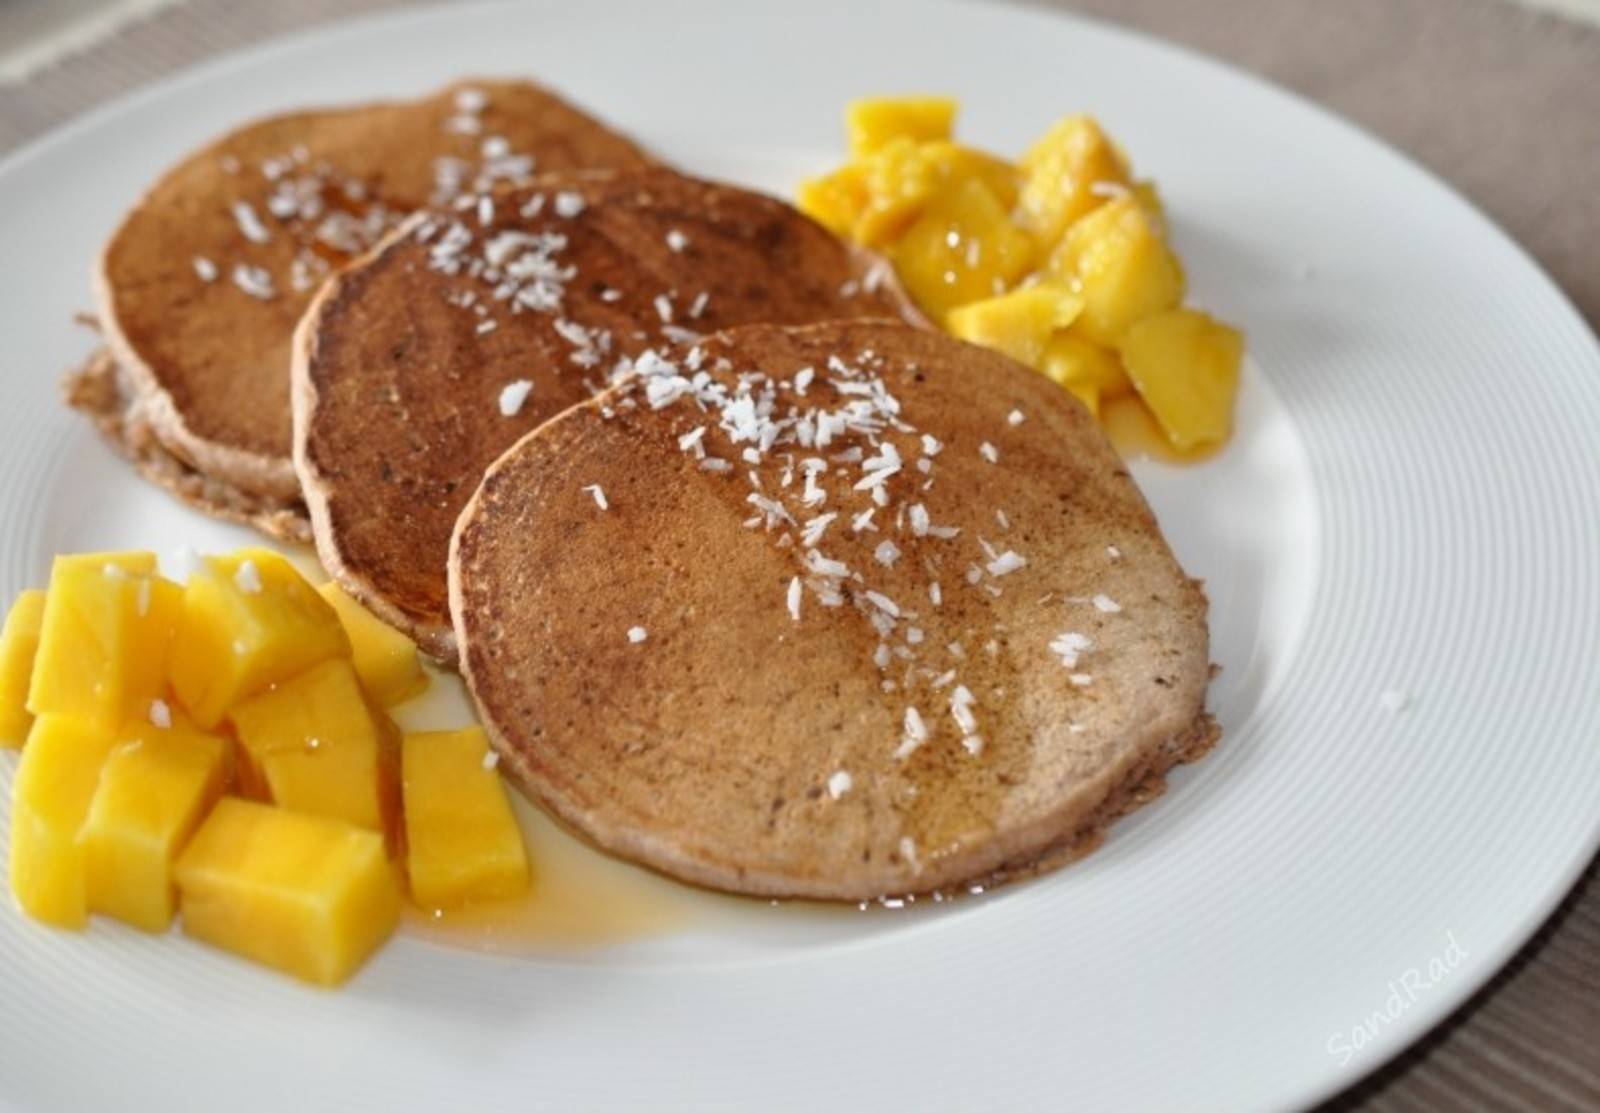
<point x="247" y="577"/>
<point x="513" y="395"/>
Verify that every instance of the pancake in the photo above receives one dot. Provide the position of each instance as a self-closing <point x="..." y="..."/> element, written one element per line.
<point x="200" y="287"/>
<point x="931" y="637"/>
<point x="403" y="363"/>
<point x="100" y="391"/>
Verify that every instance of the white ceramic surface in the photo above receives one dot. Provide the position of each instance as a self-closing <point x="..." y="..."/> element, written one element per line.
<point x="1412" y="506"/>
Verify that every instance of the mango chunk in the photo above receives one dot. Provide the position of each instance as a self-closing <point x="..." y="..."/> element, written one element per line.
<point x="385" y="659"/>
<point x="19" y="642"/>
<point x="1185" y="365"/>
<point x="962" y="248"/>
<point x="1091" y="373"/>
<point x="462" y="840"/>
<point x="872" y="122"/>
<point x="837" y="200"/>
<point x="155" y="787"/>
<point x="903" y="178"/>
<point x="104" y="637"/>
<point x="56" y="781"/>
<point x="249" y="621"/>
<point x="307" y="895"/>
<point x="1117" y="259"/>
<point x="1020" y="323"/>
<point x="313" y="744"/>
<point x="1073" y="168"/>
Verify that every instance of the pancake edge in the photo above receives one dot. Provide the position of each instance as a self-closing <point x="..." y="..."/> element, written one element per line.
<point x="121" y="423"/>
<point x="438" y="642"/>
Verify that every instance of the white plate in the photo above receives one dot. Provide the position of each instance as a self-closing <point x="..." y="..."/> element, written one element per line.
<point x="1410" y="506"/>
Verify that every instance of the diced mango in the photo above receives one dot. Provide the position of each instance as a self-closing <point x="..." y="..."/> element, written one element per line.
<point x="104" y="637"/>
<point x="1091" y="373"/>
<point x="314" y="745"/>
<point x="1066" y="175"/>
<point x="155" y="787"/>
<point x="904" y="177"/>
<point x="962" y="248"/>
<point x="55" y="784"/>
<point x="385" y="659"/>
<point x="1120" y="264"/>
<point x="837" y="200"/>
<point x="462" y="840"/>
<point x="1020" y="323"/>
<point x="305" y="894"/>
<point x="19" y="642"/>
<point x="1149" y="198"/>
<point x="249" y="621"/>
<point x="1185" y="366"/>
<point x="873" y="121"/>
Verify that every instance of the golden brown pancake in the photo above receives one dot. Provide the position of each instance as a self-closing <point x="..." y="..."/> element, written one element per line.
<point x="928" y="632"/>
<point x="201" y="286"/>
<point x="403" y="363"/>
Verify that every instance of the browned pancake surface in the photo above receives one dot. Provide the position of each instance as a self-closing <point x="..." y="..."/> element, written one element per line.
<point x="737" y="746"/>
<point x="202" y="285"/>
<point x="403" y="359"/>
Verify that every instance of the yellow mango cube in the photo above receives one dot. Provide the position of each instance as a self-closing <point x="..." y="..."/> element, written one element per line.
<point x="385" y="659"/>
<point x="837" y="200"/>
<point x="307" y="895"/>
<point x="962" y="248"/>
<point x="1066" y="174"/>
<point x="1117" y="259"/>
<point x="55" y="784"/>
<point x="156" y="786"/>
<point x="19" y="642"/>
<point x="904" y="177"/>
<point x="1185" y="365"/>
<point x="249" y="621"/>
<point x="462" y="840"/>
<point x="1091" y="373"/>
<point x="1149" y="198"/>
<point x="1019" y="323"/>
<point x="313" y="744"/>
<point x="104" y="637"/>
<point x="872" y="122"/>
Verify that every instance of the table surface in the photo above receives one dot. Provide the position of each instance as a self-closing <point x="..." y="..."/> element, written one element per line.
<point x="1434" y="77"/>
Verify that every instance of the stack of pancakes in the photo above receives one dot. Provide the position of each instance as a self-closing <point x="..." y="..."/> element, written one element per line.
<point x="753" y="578"/>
